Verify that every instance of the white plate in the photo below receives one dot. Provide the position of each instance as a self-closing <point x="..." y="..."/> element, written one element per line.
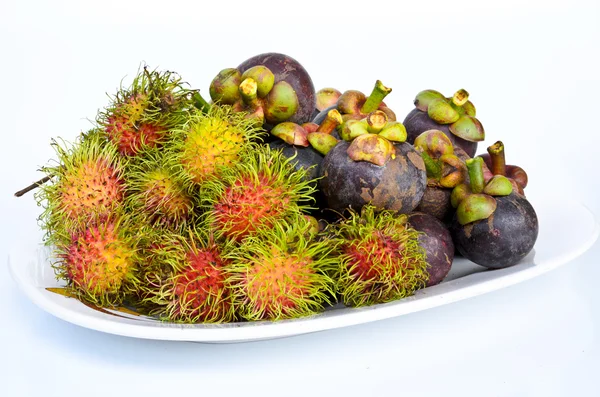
<point x="567" y="230"/>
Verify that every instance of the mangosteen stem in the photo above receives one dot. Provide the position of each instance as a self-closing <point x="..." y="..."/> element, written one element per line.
<point x="200" y="102"/>
<point x="33" y="186"/>
<point x="460" y="97"/>
<point x="496" y="152"/>
<point x="332" y="120"/>
<point x="475" y="167"/>
<point x="249" y="92"/>
<point x="374" y="100"/>
<point x="432" y="167"/>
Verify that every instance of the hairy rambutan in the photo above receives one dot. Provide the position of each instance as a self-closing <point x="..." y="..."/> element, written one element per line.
<point x="256" y="193"/>
<point x="159" y="192"/>
<point x="282" y="273"/>
<point x="87" y="183"/>
<point x="213" y="140"/>
<point x="196" y="288"/>
<point x="380" y="259"/>
<point x="99" y="262"/>
<point x="142" y="115"/>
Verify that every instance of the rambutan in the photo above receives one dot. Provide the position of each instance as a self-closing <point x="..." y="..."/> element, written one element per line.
<point x="380" y="259"/>
<point x="213" y="140"/>
<point x="87" y="183"/>
<point x="256" y="193"/>
<point x="158" y="191"/>
<point x="142" y="115"/>
<point x="99" y="262"/>
<point x="196" y="288"/>
<point x="282" y="272"/>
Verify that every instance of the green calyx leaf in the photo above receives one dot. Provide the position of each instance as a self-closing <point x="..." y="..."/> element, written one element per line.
<point x="281" y="103"/>
<point x="372" y="148"/>
<point x="499" y="185"/>
<point x="459" y="193"/>
<point x="424" y="98"/>
<point x="322" y="142"/>
<point x="442" y="112"/>
<point x="475" y="207"/>
<point x="291" y="133"/>
<point x="265" y="79"/>
<point x="394" y="131"/>
<point x="468" y="128"/>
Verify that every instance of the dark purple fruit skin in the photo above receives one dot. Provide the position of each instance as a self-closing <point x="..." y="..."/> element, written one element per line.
<point x="287" y="68"/>
<point x="305" y="157"/>
<point x="397" y="186"/>
<point x="436" y="202"/>
<point x="437" y="243"/>
<point x="417" y="122"/>
<point x="503" y="239"/>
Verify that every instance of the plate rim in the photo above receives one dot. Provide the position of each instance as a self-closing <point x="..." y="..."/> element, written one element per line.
<point x="246" y="332"/>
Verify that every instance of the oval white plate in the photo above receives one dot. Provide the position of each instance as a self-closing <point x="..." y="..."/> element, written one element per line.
<point x="567" y="230"/>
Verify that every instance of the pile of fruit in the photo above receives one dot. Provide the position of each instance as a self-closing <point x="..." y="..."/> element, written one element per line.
<point x="274" y="201"/>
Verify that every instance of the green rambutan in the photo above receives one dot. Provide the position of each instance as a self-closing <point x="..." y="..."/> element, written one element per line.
<point x="188" y="279"/>
<point x="380" y="259"/>
<point x="213" y="140"/>
<point x="87" y="183"/>
<point x="99" y="262"/>
<point x="256" y="193"/>
<point x="282" y="272"/>
<point x="159" y="192"/>
<point x="142" y="115"/>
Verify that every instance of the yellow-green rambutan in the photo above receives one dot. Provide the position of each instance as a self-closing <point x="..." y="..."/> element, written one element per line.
<point x="158" y="192"/>
<point x="282" y="272"/>
<point x="213" y="140"/>
<point x="380" y="259"/>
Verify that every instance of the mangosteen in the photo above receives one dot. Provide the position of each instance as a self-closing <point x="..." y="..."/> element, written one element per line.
<point x="445" y="170"/>
<point x="454" y="116"/>
<point x="271" y="88"/>
<point x="373" y="170"/>
<point x="494" y="226"/>
<point x="287" y="72"/>
<point x="436" y="240"/>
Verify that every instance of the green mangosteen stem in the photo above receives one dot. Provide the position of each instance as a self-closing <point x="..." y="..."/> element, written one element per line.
<point x="432" y="167"/>
<point x="374" y="100"/>
<point x="460" y="97"/>
<point x="200" y="102"/>
<point x="496" y="152"/>
<point x="33" y="186"/>
<point x="249" y="92"/>
<point x="332" y="120"/>
<point x="376" y="120"/>
<point x="475" y="167"/>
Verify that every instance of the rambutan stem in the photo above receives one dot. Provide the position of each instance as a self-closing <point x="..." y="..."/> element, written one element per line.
<point x="374" y="100"/>
<point x="496" y="152"/>
<point x="33" y="186"/>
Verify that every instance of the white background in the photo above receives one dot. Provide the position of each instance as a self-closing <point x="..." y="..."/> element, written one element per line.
<point x="532" y="69"/>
